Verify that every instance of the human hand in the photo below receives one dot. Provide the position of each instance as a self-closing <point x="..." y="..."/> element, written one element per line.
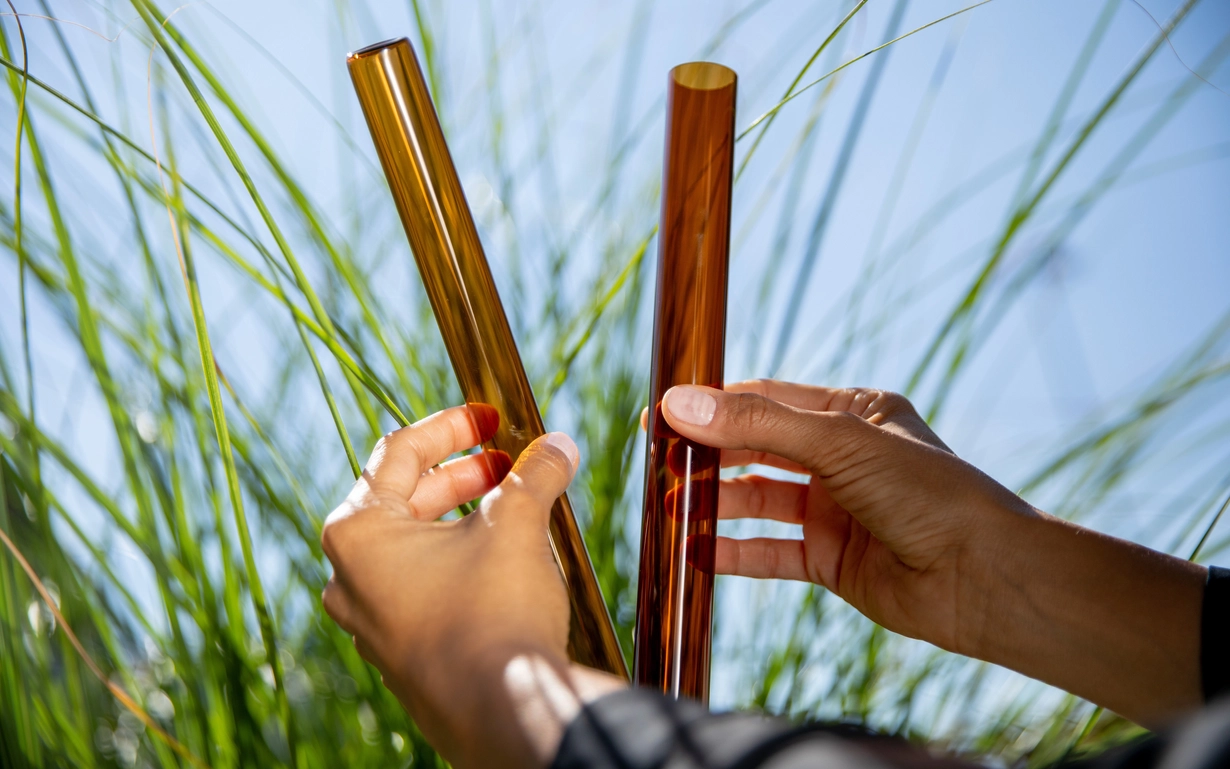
<point x="890" y="516"/>
<point x="927" y="545"/>
<point x="467" y="620"/>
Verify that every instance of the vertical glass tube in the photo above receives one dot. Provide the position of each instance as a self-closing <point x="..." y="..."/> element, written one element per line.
<point x="433" y="209"/>
<point x="674" y="605"/>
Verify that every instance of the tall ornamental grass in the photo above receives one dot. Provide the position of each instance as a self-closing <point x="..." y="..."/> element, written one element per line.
<point x="202" y="335"/>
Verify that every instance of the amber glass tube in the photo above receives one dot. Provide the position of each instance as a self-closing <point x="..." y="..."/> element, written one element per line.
<point x="674" y="605"/>
<point x="450" y="258"/>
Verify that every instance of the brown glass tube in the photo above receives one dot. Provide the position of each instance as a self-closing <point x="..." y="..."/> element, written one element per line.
<point x="450" y="258"/>
<point x="674" y="605"/>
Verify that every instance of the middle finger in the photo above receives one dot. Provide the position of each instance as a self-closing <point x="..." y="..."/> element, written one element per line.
<point x="402" y="456"/>
<point x="454" y="483"/>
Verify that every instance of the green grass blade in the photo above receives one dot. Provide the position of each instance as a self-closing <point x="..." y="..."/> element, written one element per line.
<point x="1021" y="215"/>
<point x="837" y="177"/>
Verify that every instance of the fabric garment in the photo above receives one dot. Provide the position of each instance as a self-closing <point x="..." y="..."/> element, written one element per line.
<point x="1215" y="635"/>
<point x="639" y="729"/>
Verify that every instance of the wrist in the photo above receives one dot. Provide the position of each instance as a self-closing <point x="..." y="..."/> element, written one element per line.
<point x="1103" y="618"/>
<point x="1003" y="531"/>
<point x="500" y="687"/>
<point x="517" y="700"/>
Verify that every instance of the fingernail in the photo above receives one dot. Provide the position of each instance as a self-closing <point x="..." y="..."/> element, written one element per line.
<point x="486" y="420"/>
<point x="695" y="407"/>
<point x="700" y="551"/>
<point x="562" y="442"/>
<point x="498" y="464"/>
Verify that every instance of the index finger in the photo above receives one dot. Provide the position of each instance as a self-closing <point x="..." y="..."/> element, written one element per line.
<point x="801" y="396"/>
<point x="746" y="457"/>
<point x="401" y="457"/>
<point x="752" y="422"/>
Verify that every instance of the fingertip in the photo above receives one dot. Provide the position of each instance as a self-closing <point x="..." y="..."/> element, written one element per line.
<point x="700" y="552"/>
<point x="498" y="465"/>
<point x="684" y="501"/>
<point x="661" y="426"/>
<point x="486" y="420"/>
<point x="687" y="458"/>
<point x="690" y="404"/>
<point x="543" y="471"/>
<point x="645" y="418"/>
<point x="566" y="446"/>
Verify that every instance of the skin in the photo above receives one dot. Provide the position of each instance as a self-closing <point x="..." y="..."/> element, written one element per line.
<point x="467" y="620"/>
<point x="891" y="520"/>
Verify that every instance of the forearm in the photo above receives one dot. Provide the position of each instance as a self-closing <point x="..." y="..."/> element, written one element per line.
<point x="1103" y="618"/>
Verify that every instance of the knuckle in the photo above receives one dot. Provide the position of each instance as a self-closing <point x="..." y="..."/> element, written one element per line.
<point x="330" y="598"/>
<point x="328" y="539"/>
<point x="404" y="445"/>
<point x="455" y="485"/>
<point x="853" y="399"/>
<point x="840" y="421"/>
<point x="415" y="452"/>
<point x="386" y="440"/>
<point x="833" y="435"/>
<point x="896" y="403"/>
<point x="749" y="413"/>
<point x="762" y="385"/>
<point x="550" y="463"/>
<point x="383" y="446"/>
<point x="772" y="563"/>
<point x="337" y="533"/>
<point x="557" y="464"/>
<point x="760" y="499"/>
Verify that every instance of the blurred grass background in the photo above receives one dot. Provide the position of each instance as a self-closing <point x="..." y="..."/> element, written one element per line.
<point x="208" y="314"/>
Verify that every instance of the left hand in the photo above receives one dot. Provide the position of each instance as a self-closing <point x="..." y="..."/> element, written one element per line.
<point x="467" y="620"/>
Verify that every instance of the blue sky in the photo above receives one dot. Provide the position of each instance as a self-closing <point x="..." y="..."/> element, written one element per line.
<point x="1143" y="276"/>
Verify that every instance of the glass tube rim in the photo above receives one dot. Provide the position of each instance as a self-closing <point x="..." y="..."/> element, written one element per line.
<point x="375" y="48"/>
<point x="703" y="76"/>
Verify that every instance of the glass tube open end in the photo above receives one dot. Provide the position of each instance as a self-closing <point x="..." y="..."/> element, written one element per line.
<point x="703" y="76"/>
<point x="374" y="48"/>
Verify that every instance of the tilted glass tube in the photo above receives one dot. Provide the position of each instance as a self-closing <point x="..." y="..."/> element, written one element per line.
<point x="450" y="258"/>
<point x="674" y="605"/>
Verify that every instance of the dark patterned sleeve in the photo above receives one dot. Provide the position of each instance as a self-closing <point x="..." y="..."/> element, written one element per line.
<point x="639" y="729"/>
<point x="1215" y="635"/>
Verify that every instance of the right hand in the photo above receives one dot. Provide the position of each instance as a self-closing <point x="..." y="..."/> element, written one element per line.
<point x="467" y="620"/>
<point x="893" y="522"/>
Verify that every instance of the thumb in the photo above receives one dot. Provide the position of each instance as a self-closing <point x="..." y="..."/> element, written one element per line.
<point x="542" y="473"/>
<point x="818" y="440"/>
